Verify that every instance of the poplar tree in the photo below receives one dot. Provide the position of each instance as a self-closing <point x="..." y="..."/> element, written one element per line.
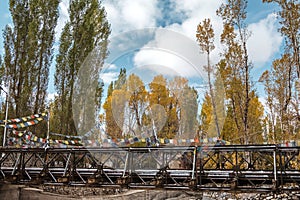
<point x="280" y="112"/>
<point x="28" y="46"/>
<point x="206" y="117"/>
<point x="290" y="28"/>
<point x="185" y="102"/>
<point x="237" y="64"/>
<point x="208" y="113"/>
<point x="162" y="108"/>
<point x="137" y="103"/>
<point x="1" y="70"/>
<point x="289" y="16"/>
<point x="205" y="37"/>
<point x="114" y="107"/>
<point x="86" y="30"/>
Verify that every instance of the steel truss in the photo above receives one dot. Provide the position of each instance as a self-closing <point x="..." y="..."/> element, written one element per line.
<point x="235" y="167"/>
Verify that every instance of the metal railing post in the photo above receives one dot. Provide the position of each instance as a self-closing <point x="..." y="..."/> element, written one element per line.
<point x="275" y="167"/>
<point x="6" y="116"/>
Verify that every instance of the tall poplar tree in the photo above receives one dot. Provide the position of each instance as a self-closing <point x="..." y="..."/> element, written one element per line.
<point x="205" y="37"/>
<point x="234" y="15"/>
<point x="114" y="106"/>
<point x="137" y="103"/>
<point x="290" y="29"/>
<point x="280" y="111"/>
<point x="86" y="30"/>
<point x="185" y="102"/>
<point x="162" y="108"/>
<point x="28" y="55"/>
<point x="289" y="17"/>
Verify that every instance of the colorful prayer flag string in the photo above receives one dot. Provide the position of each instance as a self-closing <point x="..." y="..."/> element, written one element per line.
<point x="24" y="119"/>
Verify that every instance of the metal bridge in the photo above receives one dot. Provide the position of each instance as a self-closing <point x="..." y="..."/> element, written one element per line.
<point x="211" y="168"/>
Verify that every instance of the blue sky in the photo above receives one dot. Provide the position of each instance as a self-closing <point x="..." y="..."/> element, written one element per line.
<point x="176" y="21"/>
<point x="5" y="19"/>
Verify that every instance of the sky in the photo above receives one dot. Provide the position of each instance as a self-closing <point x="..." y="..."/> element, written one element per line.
<point x="151" y="37"/>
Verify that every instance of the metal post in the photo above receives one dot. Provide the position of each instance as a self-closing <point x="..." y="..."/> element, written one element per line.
<point x="48" y="127"/>
<point x="6" y="115"/>
<point x="194" y="163"/>
<point x="274" y="167"/>
<point x="126" y="161"/>
<point x="5" y="124"/>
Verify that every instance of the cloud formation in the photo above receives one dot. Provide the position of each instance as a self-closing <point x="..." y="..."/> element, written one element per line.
<point x="185" y="47"/>
<point x="63" y="18"/>
<point x="183" y="17"/>
<point x="265" y="40"/>
<point x="173" y="52"/>
<point x="107" y="77"/>
<point x="126" y="15"/>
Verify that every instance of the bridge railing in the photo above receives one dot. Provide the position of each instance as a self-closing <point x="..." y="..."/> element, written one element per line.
<point x="238" y="167"/>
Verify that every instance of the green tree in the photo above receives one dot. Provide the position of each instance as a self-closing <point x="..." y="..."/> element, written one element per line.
<point x="230" y="132"/>
<point x="28" y="46"/>
<point x="120" y="82"/>
<point x="83" y="35"/>
<point x="256" y="116"/>
<point x="28" y="53"/>
<point x="2" y="69"/>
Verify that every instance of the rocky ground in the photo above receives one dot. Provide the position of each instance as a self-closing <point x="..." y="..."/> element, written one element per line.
<point x="22" y="192"/>
<point x="124" y="194"/>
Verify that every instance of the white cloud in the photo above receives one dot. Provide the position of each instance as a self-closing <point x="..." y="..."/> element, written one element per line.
<point x="265" y="40"/>
<point x="112" y="67"/>
<point x="127" y="15"/>
<point x="165" y="63"/>
<point x="194" y="7"/>
<point x="63" y="18"/>
<point x="174" y="53"/>
<point x="196" y="11"/>
<point x="51" y="97"/>
<point x="123" y="15"/>
<point x="131" y="15"/>
<point x="107" y="77"/>
<point x="182" y="45"/>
